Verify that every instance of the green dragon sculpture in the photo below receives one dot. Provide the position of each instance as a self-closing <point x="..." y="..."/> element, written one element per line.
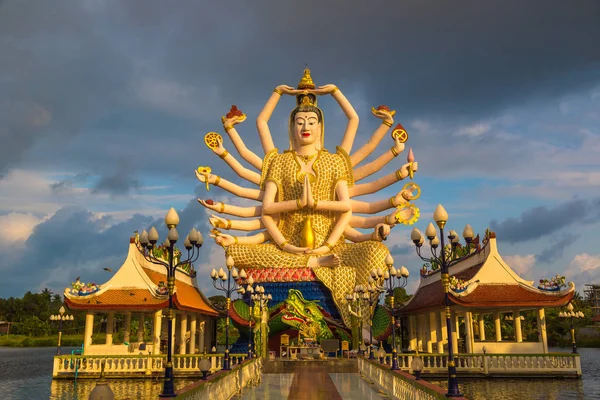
<point x="305" y="316"/>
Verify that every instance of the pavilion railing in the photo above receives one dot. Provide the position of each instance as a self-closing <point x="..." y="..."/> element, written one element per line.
<point x="224" y="384"/>
<point x="89" y="366"/>
<point x="526" y="365"/>
<point x="399" y="384"/>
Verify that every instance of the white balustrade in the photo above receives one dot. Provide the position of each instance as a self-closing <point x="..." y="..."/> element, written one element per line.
<point x="89" y="366"/>
<point x="496" y="364"/>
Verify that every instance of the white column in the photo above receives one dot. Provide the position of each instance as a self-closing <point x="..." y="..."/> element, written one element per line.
<point x="455" y="333"/>
<point x="182" y="332"/>
<point x="156" y="334"/>
<point x="421" y="331"/>
<point x="481" y="328"/>
<point x="498" y="327"/>
<point x="109" y="327"/>
<point x="127" y="331"/>
<point x="442" y="332"/>
<point x="518" y="331"/>
<point x="432" y="332"/>
<point x="140" y="331"/>
<point x="192" y="334"/>
<point x="412" y="335"/>
<point x="202" y="334"/>
<point x="469" y="331"/>
<point x="173" y="333"/>
<point x="541" y="323"/>
<point x="89" y="331"/>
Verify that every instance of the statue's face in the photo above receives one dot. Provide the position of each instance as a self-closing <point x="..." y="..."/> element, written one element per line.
<point x="307" y="128"/>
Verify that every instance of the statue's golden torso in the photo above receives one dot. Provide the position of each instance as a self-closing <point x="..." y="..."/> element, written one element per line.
<point x="285" y="171"/>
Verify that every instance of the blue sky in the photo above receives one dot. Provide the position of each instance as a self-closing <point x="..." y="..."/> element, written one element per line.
<point x="104" y="106"/>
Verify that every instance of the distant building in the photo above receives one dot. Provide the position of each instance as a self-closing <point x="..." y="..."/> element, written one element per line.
<point x="4" y="327"/>
<point x="592" y="295"/>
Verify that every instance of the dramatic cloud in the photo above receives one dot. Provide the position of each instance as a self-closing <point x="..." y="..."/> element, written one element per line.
<point x="67" y="185"/>
<point x="541" y="221"/>
<point x="120" y="182"/>
<point x="15" y="228"/>
<point x="584" y="268"/>
<point x="522" y="265"/>
<point x="557" y="248"/>
<point x="146" y="68"/>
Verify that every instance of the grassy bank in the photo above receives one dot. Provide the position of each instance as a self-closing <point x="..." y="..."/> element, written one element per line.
<point x="74" y="340"/>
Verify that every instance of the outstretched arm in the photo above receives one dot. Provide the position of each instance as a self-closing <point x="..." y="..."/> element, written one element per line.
<point x="348" y="110"/>
<point x="402" y="196"/>
<point x="380" y="162"/>
<point x="263" y="118"/>
<point x="372" y="187"/>
<point x="222" y="208"/>
<point x="357" y="236"/>
<point x="386" y="123"/>
<point x="240" y="146"/>
<point x="225" y="240"/>
<point x="238" y="168"/>
<point x="236" y="224"/>
<point x="358" y="221"/>
<point x="252" y="194"/>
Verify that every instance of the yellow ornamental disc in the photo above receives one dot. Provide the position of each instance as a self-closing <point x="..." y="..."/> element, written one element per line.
<point x="413" y="186"/>
<point x="212" y="140"/>
<point x="407" y="213"/>
<point x="401" y="134"/>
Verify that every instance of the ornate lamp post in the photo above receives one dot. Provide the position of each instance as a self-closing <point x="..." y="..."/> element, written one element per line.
<point x="261" y="301"/>
<point x="371" y="298"/>
<point x="192" y="243"/>
<point x="445" y="258"/>
<point x="572" y="315"/>
<point x="251" y="309"/>
<point x="393" y="278"/>
<point x="228" y="287"/>
<point x="60" y="317"/>
<point x="355" y="300"/>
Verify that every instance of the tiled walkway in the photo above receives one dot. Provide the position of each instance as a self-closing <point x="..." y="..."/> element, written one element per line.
<point x="313" y="384"/>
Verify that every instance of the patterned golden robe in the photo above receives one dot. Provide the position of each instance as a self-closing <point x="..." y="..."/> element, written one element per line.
<point x="357" y="259"/>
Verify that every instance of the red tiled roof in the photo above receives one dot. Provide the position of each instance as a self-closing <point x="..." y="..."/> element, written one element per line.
<point x="112" y="299"/>
<point x="187" y="297"/>
<point x="432" y="296"/>
<point x="498" y="295"/>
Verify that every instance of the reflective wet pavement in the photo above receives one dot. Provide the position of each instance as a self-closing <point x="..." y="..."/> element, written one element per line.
<point x="312" y="385"/>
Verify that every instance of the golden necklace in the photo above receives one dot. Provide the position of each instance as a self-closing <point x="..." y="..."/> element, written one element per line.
<point x="306" y="159"/>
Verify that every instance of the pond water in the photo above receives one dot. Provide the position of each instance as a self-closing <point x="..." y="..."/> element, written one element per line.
<point x="26" y="373"/>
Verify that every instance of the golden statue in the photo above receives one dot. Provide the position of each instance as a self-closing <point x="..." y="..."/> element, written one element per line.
<point x="307" y="213"/>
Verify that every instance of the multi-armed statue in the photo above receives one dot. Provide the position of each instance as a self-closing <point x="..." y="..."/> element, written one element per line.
<point x="308" y="214"/>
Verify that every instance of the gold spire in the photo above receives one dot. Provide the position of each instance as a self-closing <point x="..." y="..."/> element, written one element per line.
<point x="306" y="82"/>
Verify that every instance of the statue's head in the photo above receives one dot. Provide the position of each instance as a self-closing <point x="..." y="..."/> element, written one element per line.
<point x="306" y="120"/>
<point x="306" y="126"/>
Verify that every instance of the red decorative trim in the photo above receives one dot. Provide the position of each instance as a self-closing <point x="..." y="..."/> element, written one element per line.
<point x="281" y="274"/>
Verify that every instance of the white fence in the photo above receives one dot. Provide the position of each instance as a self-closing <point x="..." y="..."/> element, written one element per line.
<point x="529" y="365"/>
<point x="134" y="366"/>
